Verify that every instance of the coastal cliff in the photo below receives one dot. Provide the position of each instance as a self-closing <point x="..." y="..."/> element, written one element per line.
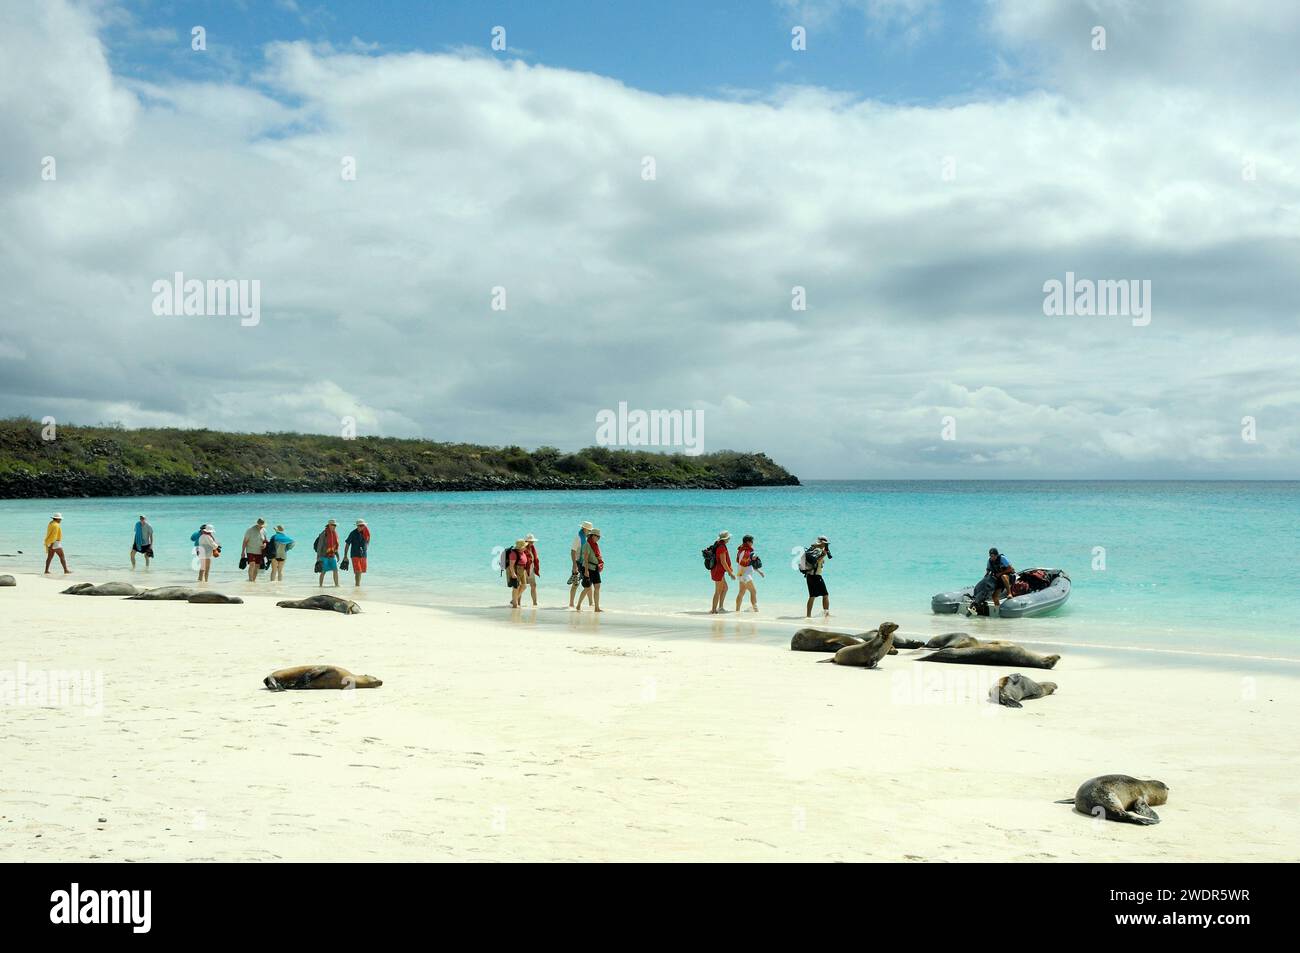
<point x="113" y="461"/>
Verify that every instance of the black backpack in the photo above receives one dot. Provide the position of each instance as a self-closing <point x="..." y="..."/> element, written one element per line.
<point x="710" y="554"/>
<point x="755" y="562"/>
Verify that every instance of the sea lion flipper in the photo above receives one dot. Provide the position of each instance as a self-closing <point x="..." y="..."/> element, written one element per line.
<point x="1141" y="813"/>
<point x="306" y="678"/>
<point x="1009" y="702"/>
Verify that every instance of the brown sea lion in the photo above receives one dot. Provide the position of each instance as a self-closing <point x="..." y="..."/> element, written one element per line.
<point x="1011" y="690"/>
<point x="166" y="593"/>
<point x="1118" y="797"/>
<point x="317" y="676"/>
<point x="903" y="642"/>
<point x="952" y="640"/>
<point x="215" y="598"/>
<point x="993" y="653"/>
<point x="104" y="589"/>
<point x="869" y="653"/>
<point x="333" y="603"/>
<point x="819" y="640"/>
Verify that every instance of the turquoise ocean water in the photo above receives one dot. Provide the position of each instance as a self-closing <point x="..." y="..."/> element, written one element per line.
<point x="1209" y="563"/>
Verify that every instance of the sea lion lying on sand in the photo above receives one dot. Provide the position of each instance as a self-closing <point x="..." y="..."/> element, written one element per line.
<point x="8" y="581"/>
<point x="952" y="640"/>
<point x="903" y="642"/>
<point x="105" y="589"/>
<point x="1011" y="690"/>
<point x="334" y="603"/>
<point x="215" y="598"/>
<point x="869" y="653"/>
<point x="317" y="676"/>
<point x="1120" y="798"/>
<point x="993" y="653"/>
<point x="166" y="593"/>
<point x="819" y="640"/>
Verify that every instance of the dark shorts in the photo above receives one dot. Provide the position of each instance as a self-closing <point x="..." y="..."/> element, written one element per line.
<point x="591" y="579"/>
<point x="146" y="550"/>
<point x="816" y="585"/>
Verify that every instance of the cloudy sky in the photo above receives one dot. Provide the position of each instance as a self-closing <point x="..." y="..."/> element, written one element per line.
<point x="920" y="169"/>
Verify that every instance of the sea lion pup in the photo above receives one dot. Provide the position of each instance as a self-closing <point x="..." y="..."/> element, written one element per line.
<point x="952" y="640"/>
<point x="317" y="676"/>
<point x="346" y="606"/>
<point x="869" y="653"/>
<point x="8" y="581"/>
<point x="105" y="589"/>
<point x="1011" y="690"/>
<point x="903" y="642"/>
<point x="215" y="598"/>
<point x="993" y="653"/>
<point x="166" y="593"/>
<point x="819" y="640"/>
<point x="1120" y="798"/>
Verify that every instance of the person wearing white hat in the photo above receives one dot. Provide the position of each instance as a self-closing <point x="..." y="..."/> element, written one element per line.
<point x="327" y="552"/>
<point x="357" y="545"/>
<point x="575" y="577"/>
<point x="721" y="567"/>
<point x="143" y="542"/>
<point x="207" y="549"/>
<point x="534" y="565"/>
<point x="592" y="564"/>
<point x="54" y="543"/>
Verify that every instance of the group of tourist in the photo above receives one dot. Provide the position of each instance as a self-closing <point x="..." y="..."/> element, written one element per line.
<point x="259" y="550"/>
<point x="522" y="566"/>
<point x="747" y="564"/>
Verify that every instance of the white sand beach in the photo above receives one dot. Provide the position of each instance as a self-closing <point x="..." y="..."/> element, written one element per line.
<point x="571" y="740"/>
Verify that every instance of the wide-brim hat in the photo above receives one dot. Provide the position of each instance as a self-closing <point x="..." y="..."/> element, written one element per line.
<point x="724" y="535"/>
<point x="586" y="524"/>
<point x="57" y="516"/>
<point x="332" y="523"/>
<point x="530" y="538"/>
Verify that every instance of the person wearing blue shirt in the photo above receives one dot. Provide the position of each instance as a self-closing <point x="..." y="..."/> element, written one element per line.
<point x="280" y="544"/>
<point x="143" y="543"/>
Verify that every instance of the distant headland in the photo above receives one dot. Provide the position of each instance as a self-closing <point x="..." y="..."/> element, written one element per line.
<point x="115" y="461"/>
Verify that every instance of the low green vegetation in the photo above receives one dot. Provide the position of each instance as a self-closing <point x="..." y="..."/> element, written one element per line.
<point x="114" y="461"/>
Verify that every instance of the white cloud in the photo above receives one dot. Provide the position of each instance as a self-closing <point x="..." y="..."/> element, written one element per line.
<point x="924" y="293"/>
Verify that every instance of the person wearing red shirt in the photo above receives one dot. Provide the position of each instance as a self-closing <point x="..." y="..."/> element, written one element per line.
<point x="721" y="568"/>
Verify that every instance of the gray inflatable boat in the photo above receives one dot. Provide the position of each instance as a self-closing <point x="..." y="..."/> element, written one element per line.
<point x="1019" y="607"/>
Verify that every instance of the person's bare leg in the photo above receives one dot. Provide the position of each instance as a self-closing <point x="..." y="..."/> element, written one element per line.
<point x="826" y="606"/>
<point x="321" y="584"/>
<point x="753" y="596"/>
<point x="336" y="578"/>
<point x="808" y="613"/>
<point x="581" y="598"/>
<point x="532" y="587"/>
<point x="133" y="557"/>
<point x="49" y="558"/>
<point x="595" y="597"/>
<point x="64" y="563"/>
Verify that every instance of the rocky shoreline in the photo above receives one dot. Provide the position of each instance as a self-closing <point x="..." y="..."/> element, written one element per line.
<point x="72" y="484"/>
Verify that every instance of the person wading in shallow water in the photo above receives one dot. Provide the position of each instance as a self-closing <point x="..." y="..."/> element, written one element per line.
<point x="591" y="564"/>
<point x="534" y="565"/>
<point x="575" y="577"/>
<point x="749" y="564"/>
<point x="327" y="553"/>
<point x="143" y="542"/>
<point x="254" y="544"/>
<point x="814" y="558"/>
<point x="721" y="568"/>
<point x="358" y="543"/>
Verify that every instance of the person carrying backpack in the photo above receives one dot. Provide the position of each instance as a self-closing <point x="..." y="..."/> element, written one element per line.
<point x="810" y="564"/>
<point x="721" y="567"/>
<point x="517" y="565"/>
<point x="591" y="564"/>
<point x="749" y="564"/>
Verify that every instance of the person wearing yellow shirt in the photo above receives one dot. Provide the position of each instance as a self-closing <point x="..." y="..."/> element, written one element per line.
<point x="54" y="543"/>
